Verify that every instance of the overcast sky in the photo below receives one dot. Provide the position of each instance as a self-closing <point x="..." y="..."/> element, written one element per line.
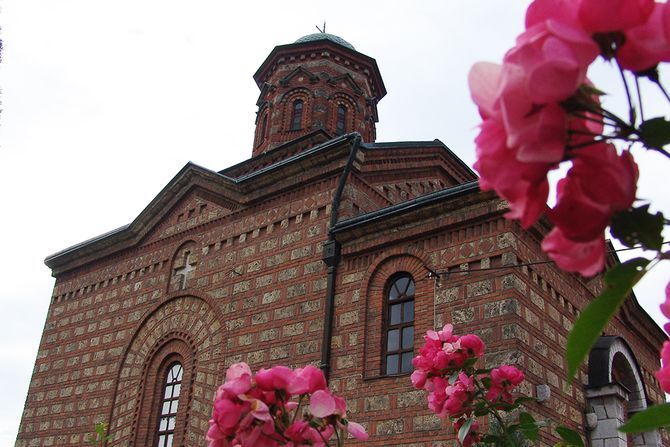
<point x="103" y="102"/>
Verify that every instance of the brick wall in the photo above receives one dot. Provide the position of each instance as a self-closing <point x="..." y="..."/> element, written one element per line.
<point x="256" y="293"/>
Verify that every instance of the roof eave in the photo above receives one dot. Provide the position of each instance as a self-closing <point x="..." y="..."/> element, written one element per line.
<point x="259" y="75"/>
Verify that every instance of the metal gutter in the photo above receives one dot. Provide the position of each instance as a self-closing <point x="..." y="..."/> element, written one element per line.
<point x="331" y="256"/>
<point x="405" y="207"/>
<point x="119" y="232"/>
<point x="421" y="144"/>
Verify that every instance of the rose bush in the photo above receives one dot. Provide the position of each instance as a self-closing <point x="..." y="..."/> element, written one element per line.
<point x="267" y="410"/>
<point x="445" y="368"/>
<point x="539" y="110"/>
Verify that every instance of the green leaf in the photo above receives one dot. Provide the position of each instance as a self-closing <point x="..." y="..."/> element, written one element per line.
<point x="528" y="426"/>
<point x="649" y="419"/>
<point x="618" y="283"/>
<point x="526" y="418"/>
<point x="638" y="226"/>
<point x="531" y="432"/>
<point x="655" y="132"/>
<point x="569" y="437"/>
<point x="591" y="90"/>
<point x="464" y="430"/>
<point x="469" y="362"/>
<point x="453" y="378"/>
<point x="504" y="406"/>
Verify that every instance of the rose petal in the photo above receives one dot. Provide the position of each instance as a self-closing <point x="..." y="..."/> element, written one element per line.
<point x="322" y="404"/>
<point x="357" y="431"/>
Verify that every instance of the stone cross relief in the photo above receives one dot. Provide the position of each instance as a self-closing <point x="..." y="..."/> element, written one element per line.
<point x="185" y="272"/>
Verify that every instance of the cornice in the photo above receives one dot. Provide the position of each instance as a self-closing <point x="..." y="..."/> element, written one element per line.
<point x="236" y="193"/>
<point x="322" y="48"/>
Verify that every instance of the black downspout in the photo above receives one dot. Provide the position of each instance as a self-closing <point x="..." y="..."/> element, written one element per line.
<point x="331" y="256"/>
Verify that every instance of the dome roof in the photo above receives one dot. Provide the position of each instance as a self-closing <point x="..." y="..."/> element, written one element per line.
<point x="325" y="36"/>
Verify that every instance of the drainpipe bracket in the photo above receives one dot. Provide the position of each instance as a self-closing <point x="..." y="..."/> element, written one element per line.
<point x="331" y="253"/>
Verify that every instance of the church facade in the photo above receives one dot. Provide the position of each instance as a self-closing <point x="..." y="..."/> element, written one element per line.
<point x="325" y="248"/>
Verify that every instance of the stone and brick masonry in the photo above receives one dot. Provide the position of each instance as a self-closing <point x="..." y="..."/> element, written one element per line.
<point x="227" y="266"/>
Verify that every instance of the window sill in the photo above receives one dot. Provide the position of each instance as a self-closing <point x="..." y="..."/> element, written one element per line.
<point x="387" y="376"/>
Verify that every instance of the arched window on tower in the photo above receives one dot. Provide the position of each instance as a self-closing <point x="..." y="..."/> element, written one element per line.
<point x="398" y="325"/>
<point x="169" y="405"/>
<point x="296" y="115"/>
<point x="265" y="128"/>
<point x="340" y="125"/>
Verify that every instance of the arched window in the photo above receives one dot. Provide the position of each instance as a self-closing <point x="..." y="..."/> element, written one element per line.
<point x="399" y="325"/>
<point x="265" y="128"/>
<point x="340" y="125"/>
<point x="261" y="130"/>
<point x="169" y="405"/>
<point x="296" y="116"/>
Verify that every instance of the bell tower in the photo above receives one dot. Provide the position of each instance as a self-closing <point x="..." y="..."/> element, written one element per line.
<point x="319" y="82"/>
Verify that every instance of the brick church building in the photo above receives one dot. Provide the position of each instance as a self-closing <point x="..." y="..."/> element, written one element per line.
<point x="329" y="248"/>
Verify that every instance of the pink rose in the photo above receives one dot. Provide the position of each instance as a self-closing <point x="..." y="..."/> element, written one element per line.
<point x="604" y="16"/>
<point x="484" y="80"/>
<point x="437" y="395"/>
<point x="540" y="11"/>
<point x="503" y="380"/>
<point x="554" y="56"/>
<point x="472" y="345"/>
<point x="226" y="414"/>
<point x="459" y="396"/>
<point x="257" y="408"/>
<point x="649" y="43"/>
<point x="307" y="380"/>
<point x="275" y="378"/>
<point x="446" y="333"/>
<point x="663" y="374"/>
<point x="302" y="434"/>
<point x="523" y="185"/>
<point x="536" y="132"/>
<point x="257" y="435"/>
<point x="665" y="306"/>
<point x="614" y="177"/>
<point x="586" y="258"/>
<point x="340" y="406"/>
<point x="215" y="438"/>
<point x="599" y="184"/>
<point x="580" y="218"/>
<point x="418" y="378"/>
<point x="297" y="431"/>
<point x="238" y="379"/>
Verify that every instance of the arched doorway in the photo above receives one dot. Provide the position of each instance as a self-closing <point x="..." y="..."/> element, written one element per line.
<point x="614" y="392"/>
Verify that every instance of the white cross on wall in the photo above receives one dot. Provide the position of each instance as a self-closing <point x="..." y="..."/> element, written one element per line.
<point x="185" y="271"/>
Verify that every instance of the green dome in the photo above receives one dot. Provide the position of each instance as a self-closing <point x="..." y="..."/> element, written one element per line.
<point x="325" y="36"/>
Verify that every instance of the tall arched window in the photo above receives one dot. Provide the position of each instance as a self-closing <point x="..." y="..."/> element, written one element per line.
<point x="265" y="128"/>
<point x="169" y="405"/>
<point x="399" y="325"/>
<point x="296" y="115"/>
<point x="340" y="125"/>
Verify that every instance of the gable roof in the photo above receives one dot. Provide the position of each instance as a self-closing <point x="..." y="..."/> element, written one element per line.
<point x="241" y="185"/>
<point x="229" y="188"/>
